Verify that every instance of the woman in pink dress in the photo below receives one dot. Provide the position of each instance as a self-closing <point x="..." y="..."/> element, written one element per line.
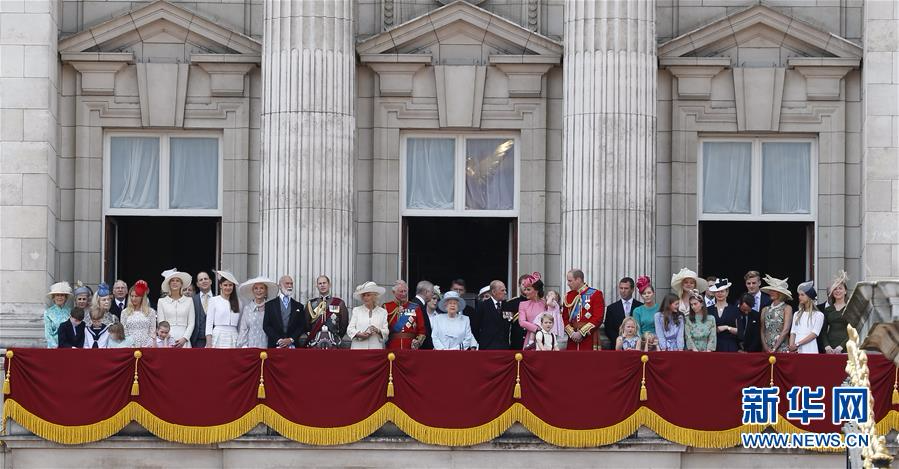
<point x="534" y="306"/>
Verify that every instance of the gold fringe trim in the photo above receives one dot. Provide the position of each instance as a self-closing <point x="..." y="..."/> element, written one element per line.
<point x="326" y="436"/>
<point x="261" y="413"/>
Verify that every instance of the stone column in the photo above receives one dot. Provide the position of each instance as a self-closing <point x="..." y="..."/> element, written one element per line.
<point x="31" y="171"/>
<point x="608" y="177"/>
<point x="308" y="125"/>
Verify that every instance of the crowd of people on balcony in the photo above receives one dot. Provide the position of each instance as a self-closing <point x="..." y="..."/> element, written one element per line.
<point x="695" y="316"/>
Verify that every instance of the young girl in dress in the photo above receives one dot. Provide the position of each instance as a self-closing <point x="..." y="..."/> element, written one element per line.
<point x="553" y="300"/>
<point x="163" y="339"/>
<point x="117" y="337"/>
<point x="628" y="335"/>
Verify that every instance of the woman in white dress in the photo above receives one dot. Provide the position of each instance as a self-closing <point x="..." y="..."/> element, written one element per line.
<point x="176" y="309"/>
<point x="368" y="323"/>
<point x="223" y="313"/>
<point x="807" y="321"/>
<point x="254" y="292"/>
<point x="138" y="318"/>
<point x="452" y="331"/>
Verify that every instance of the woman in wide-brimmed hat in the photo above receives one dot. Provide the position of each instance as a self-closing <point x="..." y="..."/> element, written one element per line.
<point x="834" y="336"/>
<point x="255" y="292"/>
<point x="684" y="282"/>
<point x="138" y="317"/>
<point x="807" y="321"/>
<point x="57" y="312"/>
<point x="452" y="331"/>
<point x="223" y="313"/>
<point x="368" y="322"/>
<point x="175" y="308"/>
<point x="776" y="317"/>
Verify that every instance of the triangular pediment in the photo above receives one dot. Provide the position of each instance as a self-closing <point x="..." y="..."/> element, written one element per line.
<point x="457" y="26"/>
<point x="160" y="22"/>
<point x="759" y="27"/>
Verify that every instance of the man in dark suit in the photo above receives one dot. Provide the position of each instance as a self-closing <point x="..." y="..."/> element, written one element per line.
<point x="494" y="326"/>
<point x="201" y="302"/>
<point x="458" y="286"/>
<point x="516" y="332"/>
<point x="71" y="333"/>
<point x="749" y="329"/>
<point x="119" y="298"/>
<point x="617" y="311"/>
<point x="753" y="284"/>
<point x="284" y="322"/>
<point x="424" y="291"/>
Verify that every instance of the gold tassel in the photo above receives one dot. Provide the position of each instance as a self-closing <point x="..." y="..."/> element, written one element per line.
<point x="772" y="360"/>
<point x="390" y="358"/>
<point x="9" y="355"/>
<point x="260" y="394"/>
<point x="516" y="393"/>
<point x="135" y="386"/>
<point x="643" y="396"/>
<point x="895" y="385"/>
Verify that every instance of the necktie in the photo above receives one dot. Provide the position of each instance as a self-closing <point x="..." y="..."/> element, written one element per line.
<point x="286" y="302"/>
<point x="205" y="301"/>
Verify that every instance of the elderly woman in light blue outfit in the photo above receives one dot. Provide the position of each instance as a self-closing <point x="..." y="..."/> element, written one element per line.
<point x="452" y="331"/>
<point x="255" y="292"/>
<point x="57" y="313"/>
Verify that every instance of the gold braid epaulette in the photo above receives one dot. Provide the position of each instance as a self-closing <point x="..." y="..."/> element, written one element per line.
<point x="318" y="311"/>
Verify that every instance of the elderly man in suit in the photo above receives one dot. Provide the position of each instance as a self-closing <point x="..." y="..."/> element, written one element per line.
<point x="424" y="291"/>
<point x="119" y="298"/>
<point x="201" y="301"/>
<point x="495" y="325"/>
<point x="284" y="321"/>
<point x="617" y="311"/>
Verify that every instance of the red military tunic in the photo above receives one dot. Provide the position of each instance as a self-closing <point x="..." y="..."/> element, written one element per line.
<point x="406" y="323"/>
<point x="582" y="312"/>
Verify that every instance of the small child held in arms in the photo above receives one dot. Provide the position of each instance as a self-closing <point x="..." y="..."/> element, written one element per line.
<point x="628" y="335"/>
<point x="163" y="339"/>
<point x="117" y="337"/>
<point x="552" y="307"/>
<point x="545" y="339"/>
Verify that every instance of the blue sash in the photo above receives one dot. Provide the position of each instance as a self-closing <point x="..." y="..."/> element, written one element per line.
<point x="576" y="313"/>
<point x="402" y="320"/>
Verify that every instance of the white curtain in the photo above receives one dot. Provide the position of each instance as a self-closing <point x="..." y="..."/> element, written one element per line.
<point x="489" y="174"/>
<point x="786" y="177"/>
<point x="194" y="173"/>
<point x="134" y="172"/>
<point x="430" y="173"/>
<point x="726" y="177"/>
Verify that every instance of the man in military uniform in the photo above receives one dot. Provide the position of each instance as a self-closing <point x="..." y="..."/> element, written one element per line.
<point x="582" y="311"/>
<point x="405" y="320"/>
<point x="326" y="310"/>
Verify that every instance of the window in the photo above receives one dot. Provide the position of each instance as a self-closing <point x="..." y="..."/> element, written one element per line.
<point x="743" y="179"/>
<point x="452" y="175"/>
<point x="178" y="174"/>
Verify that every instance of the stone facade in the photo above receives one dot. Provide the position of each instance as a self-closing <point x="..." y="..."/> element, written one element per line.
<point x="74" y="73"/>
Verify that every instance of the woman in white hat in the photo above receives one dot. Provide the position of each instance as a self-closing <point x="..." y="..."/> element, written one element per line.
<point x="57" y="312"/>
<point x="684" y="282"/>
<point x="834" y="335"/>
<point x="452" y="331"/>
<point x="807" y="322"/>
<point x="368" y="322"/>
<point x="255" y="292"/>
<point x="223" y="314"/>
<point x="776" y="317"/>
<point x="175" y="308"/>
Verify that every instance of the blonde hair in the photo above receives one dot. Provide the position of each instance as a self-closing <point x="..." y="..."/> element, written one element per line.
<point x="144" y="305"/>
<point x="636" y="326"/>
<point x="118" y="330"/>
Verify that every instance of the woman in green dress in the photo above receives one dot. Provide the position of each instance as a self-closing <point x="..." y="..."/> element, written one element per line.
<point x="834" y="335"/>
<point x="701" y="332"/>
<point x="645" y="314"/>
<point x="778" y="317"/>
